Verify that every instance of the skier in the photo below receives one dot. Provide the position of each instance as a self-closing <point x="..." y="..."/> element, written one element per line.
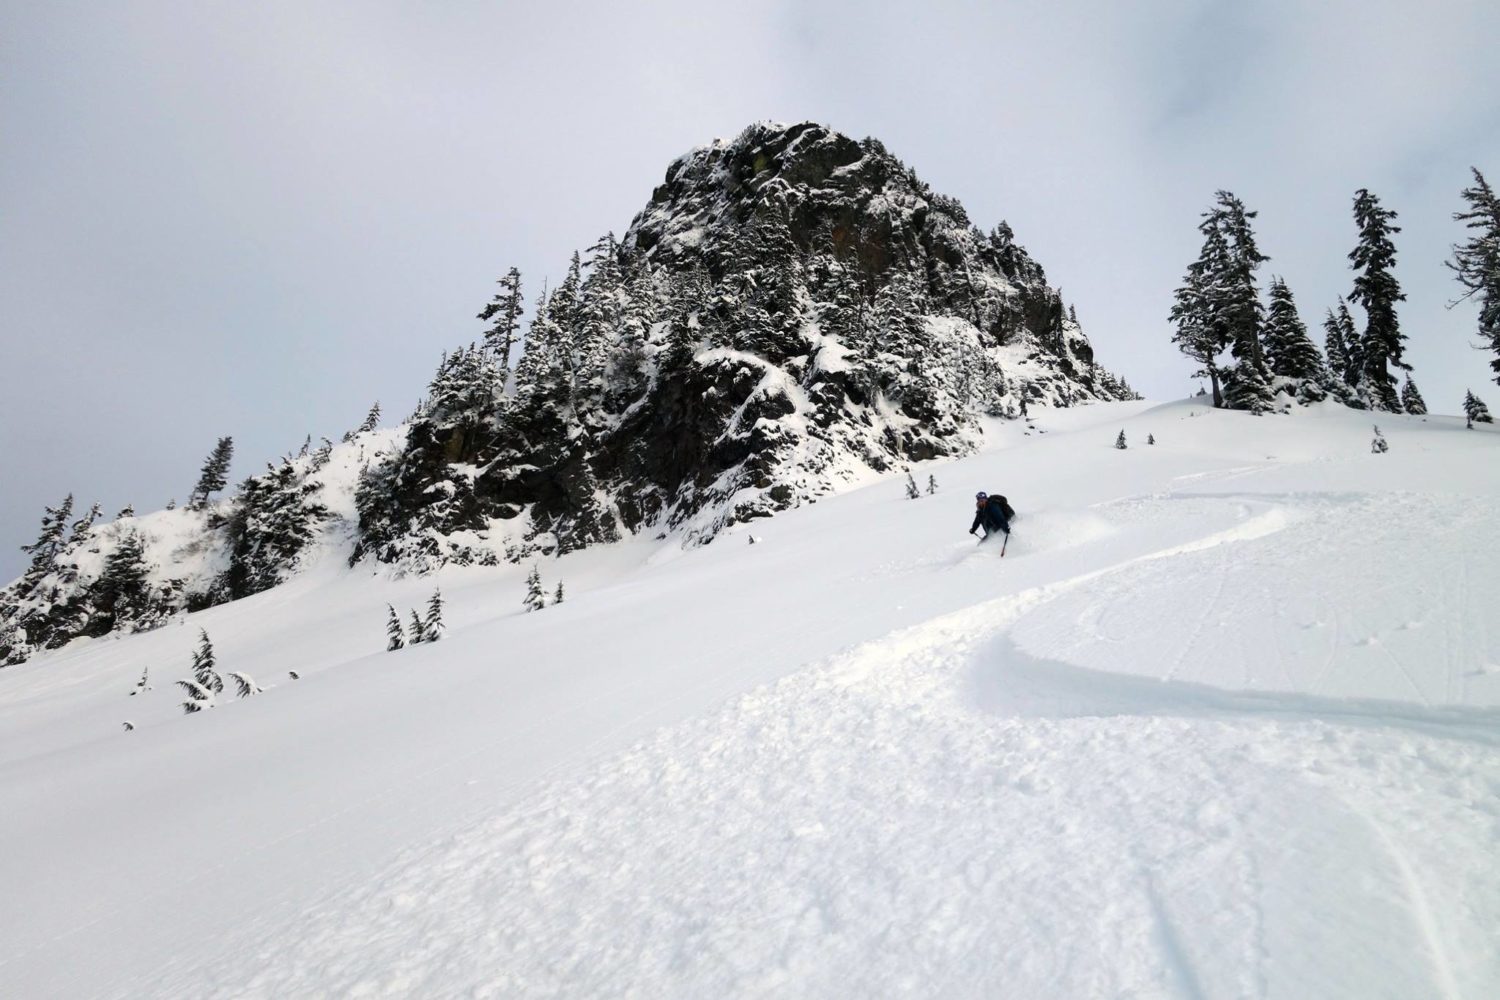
<point x="992" y="513"/>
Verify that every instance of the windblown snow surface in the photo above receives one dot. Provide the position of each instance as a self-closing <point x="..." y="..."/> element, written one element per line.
<point x="1223" y="722"/>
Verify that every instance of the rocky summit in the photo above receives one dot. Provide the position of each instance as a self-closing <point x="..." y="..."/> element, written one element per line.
<point x="793" y="310"/>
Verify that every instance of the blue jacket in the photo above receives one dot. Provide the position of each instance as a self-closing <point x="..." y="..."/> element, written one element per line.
<point x="991" y="516"/>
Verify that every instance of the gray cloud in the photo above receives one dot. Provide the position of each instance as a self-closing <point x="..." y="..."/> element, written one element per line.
<point x="254" y="220"/>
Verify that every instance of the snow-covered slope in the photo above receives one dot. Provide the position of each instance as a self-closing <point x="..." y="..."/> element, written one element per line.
<point x="1223" y="722"/>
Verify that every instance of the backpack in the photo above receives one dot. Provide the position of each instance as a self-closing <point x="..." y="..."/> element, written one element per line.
<point x="1005" y="507"/>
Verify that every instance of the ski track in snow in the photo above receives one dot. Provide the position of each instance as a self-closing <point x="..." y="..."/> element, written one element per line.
<point x="882" y="826"/>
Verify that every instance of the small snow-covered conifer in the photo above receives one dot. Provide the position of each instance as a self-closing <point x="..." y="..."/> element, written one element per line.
<point x="129" y="725"/>
<point x="1120" y="441"/>
<point x="1378" y="446"/>
<point x="203" y="665"/>
<point x="931" y="484"/>
<point x="432" y="628"/>
<point x="535" y="598"/>
<point x="415" y="631"/>
<point x="244" y="685"/>
<point x="1476" y="411"/>
<point x="143" y="684"/>
<point x="128" y="511"/>
<point x="1150" y="438"/>
<point x="395" y="639"/>
<point x="1411" y="399"/>
<point x="557" y="598"/>
<point x="912" y="493"/>
<point x="371" y="421"/>
<point x="198" y="697"/>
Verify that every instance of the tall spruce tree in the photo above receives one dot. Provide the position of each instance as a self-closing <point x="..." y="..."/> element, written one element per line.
<point x="503" y="313"/>
<point x="1238" y="298"/>
<point x="214" y="475"/>
<point x="1476" y="262"/>
<point x="1218" y="305"/>
<point x="1377" y="291"/>
<point x="48" y="546"/>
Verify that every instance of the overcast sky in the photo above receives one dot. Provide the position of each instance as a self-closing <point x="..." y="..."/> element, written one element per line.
<point x="257" y="219"/>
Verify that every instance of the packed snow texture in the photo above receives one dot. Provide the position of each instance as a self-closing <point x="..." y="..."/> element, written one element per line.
<point x="1223" y="722"/>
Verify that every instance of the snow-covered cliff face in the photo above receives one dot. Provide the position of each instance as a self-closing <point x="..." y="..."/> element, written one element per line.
<point x="793" y="311"/>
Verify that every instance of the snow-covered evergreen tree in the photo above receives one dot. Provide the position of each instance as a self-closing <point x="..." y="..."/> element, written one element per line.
<point x="416" y="630"/>
<point x="557" y="596"/>
<point x="1376" y="289"/>
<point x="912" y="493"/>
<point x="1150" y="438"/>
<point x="932" y="486"/>
<point x="215" y="474"/>
<point x="1475" y="411"/>
<point x="83" y="528"/>
<point x="1378" y="445"/>
<point x="244" y="685"/>
<point x="535" y="598"/>
<point x="371" y="421"/>
<point x="1411" y="399"/>
<point x="122" y="593"/>
<point x="1476" y="262"/>
<point x="394" y="637"/>
<point x="205" y="672"/>
<point x="199" y="696"/>
<point x="1246" y="388"/>
<point x="144" y="684"/>
<point x="1290" y="352"/>
<point x="1201" y="332"/>
<point x="1345" y="356"/>
<point x="432" y="626"/>
<point x="48" y="546"/>
<point x="1120" y="441"/>
<point x="503" y="313"/>
<point x="271" y="520"/>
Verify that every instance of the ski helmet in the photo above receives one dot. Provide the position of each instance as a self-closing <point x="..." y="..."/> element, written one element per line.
<point x="981" y="495"/>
